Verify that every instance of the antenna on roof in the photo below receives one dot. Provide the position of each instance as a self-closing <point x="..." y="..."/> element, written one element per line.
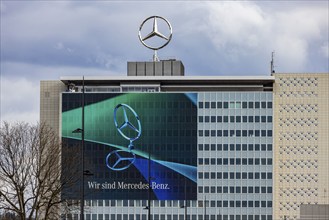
<point x="272" y="63"/>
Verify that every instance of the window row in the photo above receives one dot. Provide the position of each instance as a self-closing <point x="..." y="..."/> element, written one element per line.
<point x="235" y="147"/>
<point x="167" y="217"/>
<point x="233" y="175"/>
<point x="235" y="133"/>
<point x="235" y="105"/>
<point x="236" y="119"/>
<point x="235" y="161"/>
<point x="238" y="203"/>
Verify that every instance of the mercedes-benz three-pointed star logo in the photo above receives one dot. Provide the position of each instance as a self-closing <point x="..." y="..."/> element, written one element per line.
<point x="155" y="32"/>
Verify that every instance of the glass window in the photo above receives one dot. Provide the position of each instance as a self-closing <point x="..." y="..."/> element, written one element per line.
<point x="219" y="161"/>
<point x="269" y="189"/>
<point x="244" y="119"/>
<point x="251" y="119"/>
<point x="244" y="147"/>
<point x="238" y="161"/>
<point x="251" y="105"/>
<point x="231" y="175"/>
<point x="250" y="204"/>
<point x="225" y="147"/>
<point x="206" y="161"/>
<point x="256" y="161"/>
<point x="232" y="132"/>
<point x="206" y="118"/>
<point x="244" y="161"/>
<point x="263" y="119"/>
<point x="244" y="175"/>
<point x="225" y="189"/>
<point x="269" y="133"/>
<point x="213" y="147"/>
<point x="206" y="104"/>
<point x="257" y="133"/>
<point x="263" y="176"/>
<point x="269" y="104"/>
<point x="269" y="161"/>
<point x="225" y="175"/>
<point x="244" y="133"/>
<point x="219" y="133"/>
<point x="213" y="119"/>
<point x="263" y="147"/>
<point x="269" y="176"/>
<point x="250" y="161"/>
<point x="213" y="133"/>
<point x="232" y="105"/>
<point x="244" y="105"/>
<point x="225" y="104"/>
<point x="219" y="118"/>
<point x="256" y="189"/>
<point x="256" y="203"/>
<point x="238" y="203"/>
<point x="232" y="205"/>
<point x="263" y="104"/>
<point x="244" y="203"/>
<point x="238" y="133"/>
<point x="231" y="189"/>
<point x="256" y="175"/>
<point x="263" y="204"/>
<point x="250" y="147"/>
<point x="250" y="189"/>
<point x="225" y="161"/>
<point x="206" y="147"/>
<point x="238" y="175"/>
<point x="238" y="189"/>
<point x="219" y="175"/>
<point x="257" y="105"/>
<point x="232" y="119"/>
<point x="263" y="189"/>
<point x="206" y="133"/>
<point x="244" y="189"/>
<point x="219" y="105"/>
<point x="263" y="133"/>
<point x="238" y="119"/>
<point x="225" y="118"/>
<point x="250" y="175"/>
<point x="219" y="147"/>
<point x="269" y="119"/>
<point x="257" y="147"/>
<point x="213" y="104"/>
<point x="231" y="161"/>
<point x="238" y="147"/>
<point x="200" y="104"/>
<point x="238" y="105"/>
<point x="219" y="189"/>
<point x="257" y="119"/>
<point x="200" y="118"/>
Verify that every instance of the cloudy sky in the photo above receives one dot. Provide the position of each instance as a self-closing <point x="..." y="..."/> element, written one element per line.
<point x="43" y="40"/>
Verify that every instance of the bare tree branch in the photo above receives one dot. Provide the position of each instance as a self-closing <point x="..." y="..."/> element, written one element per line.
<point x="30" y="171"/>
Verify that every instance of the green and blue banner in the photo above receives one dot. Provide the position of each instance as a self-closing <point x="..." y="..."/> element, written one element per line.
<point x="134" y="143"/>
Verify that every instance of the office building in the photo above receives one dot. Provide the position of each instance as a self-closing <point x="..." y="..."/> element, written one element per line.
<point x="234" y="148"/>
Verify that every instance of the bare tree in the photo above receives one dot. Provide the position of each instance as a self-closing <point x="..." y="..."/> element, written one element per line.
<point x="30" y="171"/>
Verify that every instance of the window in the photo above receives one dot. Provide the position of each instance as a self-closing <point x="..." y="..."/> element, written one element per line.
<point x="257" y="119"/>
<point x="232" y="105"/>
<point x="251" y="105"/>
<point x="250" y="147"/>
<point x="250" y="161"/>
<point x="238" y="119"/>
<point x="257" y="147"/>
<point x="269" y="119"/>
<point x="244" y="105"/>
<point x="238" y="189"/>
<point x="269" y="104"/>
<point x="232" y="119"/>
<point x="225" y="161"/>
<point x="200" y="104"/>
<point x="238" y="147"/>
<point x="238" y="161"/>
<point x="257" y="105"/>
<point x="206" y="119"/>
<point x="219" y="118"/>
<point x="225" y="118"/>
<point x="219" y="147"/>
<point x="225" y="147"/>
<point x="213" y="104"/>
<point x="238" y="175"/>
<point x="225" y="104"/>
<point x="263" y="104"/>
<point x="269" y="147"/>
<point x="213" y="119"/>
<point x="250" y="119"/>
<point x="225" y="175"/>
<point x="250" y="189"/>
<point x="263" y="119"/>
<point x="269" y="133"/>
<point x="219" y="133"/>
<point x="232" y="161"/>
<point x="206" y="104"/>
<point x="219" y="105"/>
<point x="244" y="119"/>
<point x="238" y="105"/>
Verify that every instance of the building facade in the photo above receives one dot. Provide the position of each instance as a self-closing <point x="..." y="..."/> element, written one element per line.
<point x="301" y="142"/>
<point x="251" y="159"/>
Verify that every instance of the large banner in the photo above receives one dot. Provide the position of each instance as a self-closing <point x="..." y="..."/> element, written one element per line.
<point x="128" y="136"/>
